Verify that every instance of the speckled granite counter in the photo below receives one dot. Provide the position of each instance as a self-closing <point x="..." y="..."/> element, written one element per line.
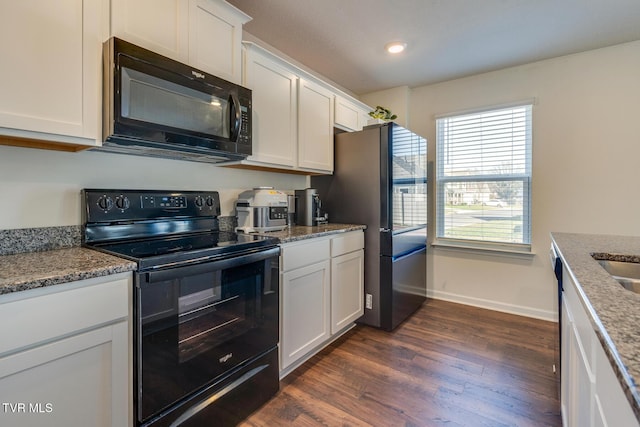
<point x="300" y="232"/>
<point x="614" y="311"/>
<point x="26" y="263"/>
<point x="25" y="271"/>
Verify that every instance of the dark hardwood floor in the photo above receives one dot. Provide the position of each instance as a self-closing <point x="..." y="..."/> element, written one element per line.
<point x="448" y="365"/>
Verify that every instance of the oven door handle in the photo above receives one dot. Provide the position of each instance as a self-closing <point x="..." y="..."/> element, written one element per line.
<point x="213" y="265"/>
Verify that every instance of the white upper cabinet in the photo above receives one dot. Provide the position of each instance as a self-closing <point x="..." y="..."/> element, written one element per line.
<point x="274" y="104"/>
<point x="157" y="25"/>
<point x="206" y="34"/>
<point x="315" y="126"/>
<point x="292" y="115"/>
<point x="349" y="115"/>
<point x="215" y="38"/>
<point x="51" y="63"/>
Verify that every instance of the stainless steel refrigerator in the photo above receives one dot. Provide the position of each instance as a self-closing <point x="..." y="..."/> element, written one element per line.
<point x="380" y="180"/>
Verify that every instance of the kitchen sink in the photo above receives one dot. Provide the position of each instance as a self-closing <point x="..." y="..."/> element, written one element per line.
<point x="626" y="273"/>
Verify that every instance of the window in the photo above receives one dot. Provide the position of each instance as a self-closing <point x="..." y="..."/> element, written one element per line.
<point x="483" y="178"/>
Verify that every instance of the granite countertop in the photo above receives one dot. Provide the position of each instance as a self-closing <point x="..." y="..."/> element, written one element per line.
<point x="23" y="271"/>
<point x="26" y="265"/>
<point x="301" y="232"/>
<point x="614" y="311"/>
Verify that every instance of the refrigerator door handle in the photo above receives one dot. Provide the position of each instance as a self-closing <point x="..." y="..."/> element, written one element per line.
<point x="386" y="242"/>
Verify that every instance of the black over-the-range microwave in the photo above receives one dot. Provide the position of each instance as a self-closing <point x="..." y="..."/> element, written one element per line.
<point x="155" y="106"/>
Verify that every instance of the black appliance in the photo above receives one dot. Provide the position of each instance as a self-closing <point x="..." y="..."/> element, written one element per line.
<point x="556" y="265"/>
<point x="309" y="208"/>
<point x="205" y="305"/>
<point x="155" y="106"/>
<point x="380" y="180"/>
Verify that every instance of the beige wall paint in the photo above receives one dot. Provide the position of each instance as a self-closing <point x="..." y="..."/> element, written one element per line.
<point x="586" y="148"/>
<point x="395" y="99"/>
<point x="41" y="188"/>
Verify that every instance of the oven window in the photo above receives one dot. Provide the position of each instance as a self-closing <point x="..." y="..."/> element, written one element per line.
<point x="195" y="328"/>
<point x="209" y="313"/>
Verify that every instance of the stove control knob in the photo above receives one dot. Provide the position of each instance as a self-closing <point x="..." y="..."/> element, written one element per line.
<point x="123" y="202"/>
<point x="199" y="201"/>
<point x="105" y="203"/>
<point x="210" y="201"/>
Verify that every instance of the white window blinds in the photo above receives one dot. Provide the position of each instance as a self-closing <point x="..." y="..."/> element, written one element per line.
<point x="483" y="176"/>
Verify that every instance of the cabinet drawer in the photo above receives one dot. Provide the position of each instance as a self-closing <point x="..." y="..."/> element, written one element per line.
<point x="300" y="254"/>
<point x="346" y="243"/>
<point x="63" y="310"/>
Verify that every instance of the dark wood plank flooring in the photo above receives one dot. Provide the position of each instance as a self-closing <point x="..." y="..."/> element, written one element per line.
<point x="448" y="365"/>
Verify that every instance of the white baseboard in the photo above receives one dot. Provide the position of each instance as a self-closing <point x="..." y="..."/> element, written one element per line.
<point x="520" y="310"/>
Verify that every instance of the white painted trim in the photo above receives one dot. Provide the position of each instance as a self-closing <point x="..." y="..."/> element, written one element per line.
<point x="520" y="310"/>
<point x="527" y="101"/>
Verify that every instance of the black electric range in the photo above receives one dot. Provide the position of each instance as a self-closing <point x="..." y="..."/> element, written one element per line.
<point x="205" y="304"/>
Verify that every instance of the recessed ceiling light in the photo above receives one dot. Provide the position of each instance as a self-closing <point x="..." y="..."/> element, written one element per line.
<point x="395" y="47"/>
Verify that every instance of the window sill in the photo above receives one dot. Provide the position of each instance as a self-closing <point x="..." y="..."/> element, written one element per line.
<point x="485" y="249"/>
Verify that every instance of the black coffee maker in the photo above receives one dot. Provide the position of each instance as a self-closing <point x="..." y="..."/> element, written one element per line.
<point x="309" y="208"/>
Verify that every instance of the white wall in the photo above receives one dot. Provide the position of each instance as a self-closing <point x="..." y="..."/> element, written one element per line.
<point x="586" y="167"/>
<point x="41" y="188"/>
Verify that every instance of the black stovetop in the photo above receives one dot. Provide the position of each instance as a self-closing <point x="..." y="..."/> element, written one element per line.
<point x="160" y="252"/>
<point x="158" y="228"/>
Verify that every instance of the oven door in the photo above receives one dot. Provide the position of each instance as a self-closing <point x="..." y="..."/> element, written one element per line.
<point x="197" y="323"/>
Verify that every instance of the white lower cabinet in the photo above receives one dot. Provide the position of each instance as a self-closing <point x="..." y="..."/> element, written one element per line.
<point x="65" y="356"/>
<point x="305" y="310"/>
<point x="591" y="394"/>
<point x="321" y="294"/>
<point x="347" y="280"/>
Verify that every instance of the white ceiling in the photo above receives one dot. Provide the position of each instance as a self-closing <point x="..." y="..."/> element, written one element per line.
<point x="344" y="39"/>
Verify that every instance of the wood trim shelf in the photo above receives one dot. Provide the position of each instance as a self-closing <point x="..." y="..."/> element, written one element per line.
<point x="40" y="144"/>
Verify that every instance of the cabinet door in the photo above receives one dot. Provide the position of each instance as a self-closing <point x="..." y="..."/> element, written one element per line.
<point x="215" y="38"/>
<point x="565" y="361"/>
<point x="157" y="25"/>
<point x="305" y="311"/>
<point x="364" y="117"/>
<point x="51" y="64"/>
<point x="580" y="392"/>
<point x="347" y="289"/>
<point x="315" y="127"/>
<point x="274" y="107"/>
<point x="611" y="406"/>
<point x="82" y="380"/>
<point x="347" y="115"/>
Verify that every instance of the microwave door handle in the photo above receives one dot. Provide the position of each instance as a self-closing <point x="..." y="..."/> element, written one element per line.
<point x="235" y="118"/>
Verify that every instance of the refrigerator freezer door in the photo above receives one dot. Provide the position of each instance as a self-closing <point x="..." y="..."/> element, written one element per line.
<point x="403" y="287"/>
